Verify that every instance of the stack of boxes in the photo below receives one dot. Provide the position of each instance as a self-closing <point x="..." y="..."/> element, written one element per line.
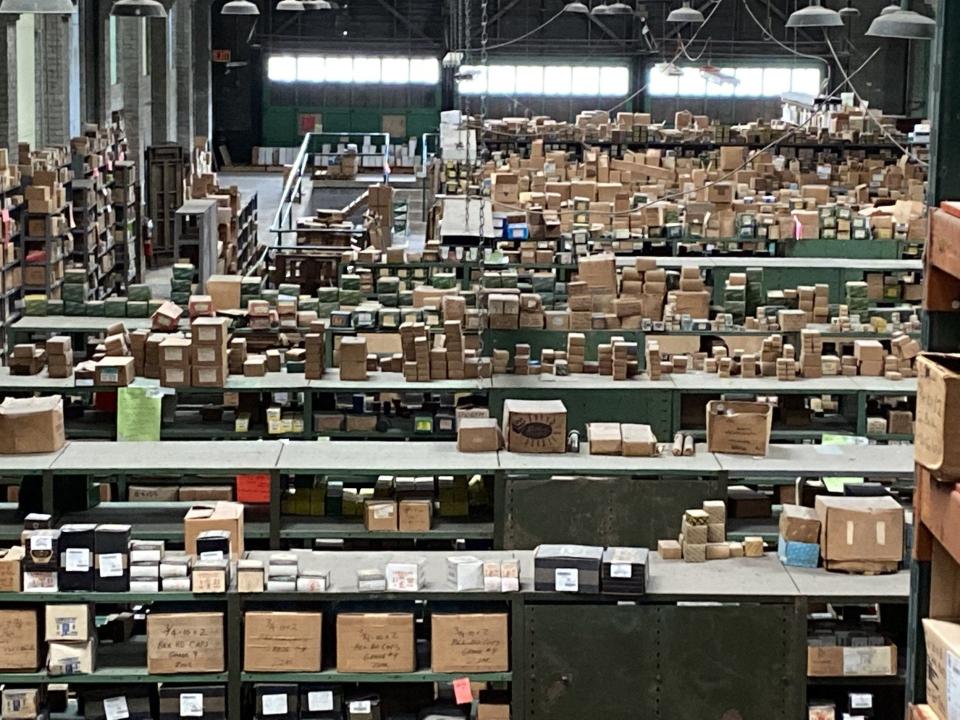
<point x="313" y="343"/>
<point x="503" y="311"/>
<point x="175" y="354"/>
<point x="453" y="345"/>
<point x="703" y="537"/>
<point x="869" y="355"/>
<point x="208" y="359"/>
<point x="353" y="358"/>
<point x="27" y="359"/>
<point x="145" y="558"/>
<point x="59" y="357"/>
<point x="415" y="344"/>
<point x="71" y="637"/>
<point x="576" y="352"/>
<point x="258" y="315"/>
<point x="811" y="353"/>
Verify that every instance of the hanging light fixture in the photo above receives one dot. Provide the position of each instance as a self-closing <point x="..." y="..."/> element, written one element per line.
<point x="316" y="5"/>
<point x="240" y="7"/>
<point x="138" y="8"/>
<point x="902" y="23"/>
<point x="686" y="14"/>
<point x="37" y="7"/>
<point x="601" y="9"/>
<point x="576" y="7"/>
<point x="293" y="5"/>
<point x="815" y="15"/>
<point x="849" y="11"/>
<point x="619" y="8"/>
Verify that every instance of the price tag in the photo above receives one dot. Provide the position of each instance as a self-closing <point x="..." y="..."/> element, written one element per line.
<point x="77" y="559"/>
<point x="320" y="700"/>
<point x="115" y="708"/>
<point x="39" y="543"/>
<point x="462" y="692"/>
<point x="360" y="707"/>
<point x="191" y="704"/>
<point x="275" y="704"/>
<point x="621" y="570"/>
<point x="566" y="580"/>
<point x="111" y="565"/>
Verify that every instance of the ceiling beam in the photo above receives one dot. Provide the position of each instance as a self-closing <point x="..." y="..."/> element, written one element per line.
<point x="410" y="26"/>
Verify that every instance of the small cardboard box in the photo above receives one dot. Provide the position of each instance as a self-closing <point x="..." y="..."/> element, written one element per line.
<point x="19" y="640"/>
<point x="31" y="425"/>
<point x="604" y="438"/>
<point x="415" y="515"/>
<point x="210" y="331"/>
<point x="943" y="647"/>
<point x="469" y="642"/>
<point x="741" y="428"/>
<point x="836" y="661"/>
<point x="375" y="642"/>
<point x="638" y="440"/>
<point x="68" y="622"/>
<point x="860" y="529"/>
<point x="282" y="641"/>
<point x="224" y="291"/>
<point x="380" y="515"/>
<point x="72" y="658"/>
<point x="185" y="642"/>
<point x="115" y="371"/>
<point x="478" y="435"/>
<point x="799" y="524"/>
<point x="938" y="411"/>
<point x="535" y="426"/>
<point x="216" y="516"/>
<point x="21" y="704"/>
<point x="11" y="561"/>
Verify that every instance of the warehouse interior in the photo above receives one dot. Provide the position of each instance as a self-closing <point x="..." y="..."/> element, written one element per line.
<point x="479" y="360"/>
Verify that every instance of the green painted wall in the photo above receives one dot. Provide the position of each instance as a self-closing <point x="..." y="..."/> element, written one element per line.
<point x="280" y="121"/>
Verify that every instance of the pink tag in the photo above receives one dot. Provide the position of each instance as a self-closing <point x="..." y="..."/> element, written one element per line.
<point x="462" y="692"/>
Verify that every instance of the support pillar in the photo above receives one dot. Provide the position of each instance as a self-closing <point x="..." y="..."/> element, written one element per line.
<point x="53" y="70"/>
<point x="137" y="102"/>
<point x="203" y="74"/>
<point x="163" y="76"/>
<point x="944" y="106"/>
<point x="9" y="129"/>
<point x="184" y="40"/>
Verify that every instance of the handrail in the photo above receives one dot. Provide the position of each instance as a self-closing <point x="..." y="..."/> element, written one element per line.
<point x="291" y="188"/>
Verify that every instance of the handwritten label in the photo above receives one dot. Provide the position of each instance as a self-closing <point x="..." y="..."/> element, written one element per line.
<point x="274" y="704"/>
<point x="77" y="560"/>
<point x="185" y="642"/>
<point x="566" y="580"/>
<point x="320" y="700"/>
<point x="462" y="692"/>
<point x="111" y="565"/>
<point x="115" y="708"/>
<point x="191" y="705"/>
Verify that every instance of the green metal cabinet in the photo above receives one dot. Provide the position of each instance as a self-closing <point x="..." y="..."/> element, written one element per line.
<point x="599" y="511"/>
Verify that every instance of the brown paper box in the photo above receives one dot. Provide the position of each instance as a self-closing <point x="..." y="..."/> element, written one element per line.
<point x="742" y="428"/>
<point x="535" y="426"/>
<point x="835" y="661"/>
<point x="185" y="642"/>
<point x="216" y="516"/>
<point x="19" y="640"/>
<point x="72" y="623"/>
<point x="11" y="560"/>
<point x="380" y="515"/>
<point x="942" y="640"/>
<point x="638" y="440"/>
<point x="375" y="642"/>
<point x="469" y="643"/>
<point x="282" y="641"/>
<point x="115" y="371"/>
<point x="938" y="413"/>
<point x="478" y="435"/>
<point x="860" y="528"/>
<point x="31" y="425"/>
<point x="799" y="524"/>
<point x="415" y="515"/>
<point x="604" y="438"/>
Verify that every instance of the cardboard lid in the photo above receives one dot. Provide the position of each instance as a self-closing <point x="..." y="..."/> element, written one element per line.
<point x="589" y="552"/>
<point x="13" y="407"/>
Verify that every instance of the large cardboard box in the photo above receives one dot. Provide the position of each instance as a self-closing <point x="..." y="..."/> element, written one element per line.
<point x="19" y="640"/>
<point x="214" y="516"/>
<point x="224" y="291"/>
<point x="535" y="426"/>
<point x="468" y="643"/>
<point x="31" y="425"/>
<point x="375" y="642"/>
<point x="282" y="641"/>
<point x="860" y="530"/>
<point x="938" y="413"/>
<point x="943" y="653"/>
<point x="11" y="561"/>
<point x="185" y="642"/>
<point x="741" y="428"/>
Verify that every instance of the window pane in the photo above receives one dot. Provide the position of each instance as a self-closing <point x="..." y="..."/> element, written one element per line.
<point x="692" y="83"/>
<point x="530" y="79"/>
<point x="751" y="82"/>
<point x="557" y="80"/>
<point x="282" y="68"/>
<point x="310" y="68"/>
<point x="395" y="70"/>
<point x="586" y="80"/>
<point x="806" y="81"/>
<point x="475" y="82"/>
<point x="614" y="80"/>
<point x="661" y="83"/>
<point x="338" y="69"/>
<point x="720" y="83"/>
<point x="366" y="70"/>
<point x="503" y="79"/>
<point x="424" y="71"/>
<point x="776" y="81"/>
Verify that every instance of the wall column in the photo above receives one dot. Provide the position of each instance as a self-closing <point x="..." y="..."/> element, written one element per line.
<point x="184" y="40"/>
<point x="137" y="103"/>
<point x="9" y="129"/>
<point x="53" y="69"/>
<point x="203" y="75"/>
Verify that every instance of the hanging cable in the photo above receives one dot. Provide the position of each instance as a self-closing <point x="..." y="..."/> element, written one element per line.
<point x="767" y="35"/>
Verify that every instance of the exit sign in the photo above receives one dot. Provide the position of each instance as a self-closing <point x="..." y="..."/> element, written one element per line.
<point x="221" y="56"/>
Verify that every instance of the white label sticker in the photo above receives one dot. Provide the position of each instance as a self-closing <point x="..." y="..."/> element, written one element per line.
<point x="77" y="559"/>
<point x="953" y="685"/>
<point x="115" y="708"/>
<point x="361" y="707"/>
<point x="320" y="700"/>
<point x="621" y="570"/>
<point x="382" y="512"/>
<point x="866" y="661"/>
<point x="111" y="565"/>
<point x="861" y="701"/>
<point x="40" y="543"/>
<point x="212" y="556"/>
<point x="566" y="580"/>
<point x="881" y="532"/>
<point x="274" y="704"/>
<point x="850" y="533"/>
<point x="191" y="704"/>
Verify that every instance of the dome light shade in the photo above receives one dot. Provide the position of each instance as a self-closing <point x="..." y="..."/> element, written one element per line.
<point x="815" y="16"/>
<point x="685" y="14"/>
<point x="37" y="7"/>
<point x="576" y="7"/>
<point x="294" y="5"/>
<point x="619" y="8"/>
<point x="903" y="24"/>
<point x="138" y="8"/>
<point x="240" y="7"/>
<point x="316" y="5"/>
<point x="600" y="9"/>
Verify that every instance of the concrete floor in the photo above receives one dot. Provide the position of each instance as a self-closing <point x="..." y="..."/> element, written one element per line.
<point x="269" y="188"/>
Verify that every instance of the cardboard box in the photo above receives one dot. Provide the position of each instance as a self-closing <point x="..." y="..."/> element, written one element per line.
<point x="375" y="642"/>
<point x="478" y="435"/>
<point x="860" y="529"/>
<point x="943" y="648"/>
<point x="224" y="291"/>
<point x="210" y="331"/>
<point x="216" y="516"/>
<point x="282" y="641"/>
<point x="19" y="640"/>
<point x="469" y="642"/>
<point x="72" y="658"/>
<point x="535" y="426"/>
<point x="836" y="661"/>
<point x="415" y="515"/>
<point x="11" y="561"/>
<point x="31" y="425"/>
<point x="799" y="524"/>
<point x="185" y="642"/>
<point x="21" y="704"/>
<point x="380" y="515"/>
<point x="68" y="622"/>
<point x="604" y="438"/>
<point x="638" y="440"/>
<point x="114" y="372"/>
<point x="938" y="413"/>
<point x="741" y="428"/>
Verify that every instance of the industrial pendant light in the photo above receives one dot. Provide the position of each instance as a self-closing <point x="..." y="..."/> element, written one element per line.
<point x="138" y="8"/>
<point x="902" y="23"/>
<point x="316" y="5"/>
<point x="292" y="5"/>
<point x="686" y="14"/>
<point x="600" y="9"/>
<point x="576" y="7"/>
<point x="37" y="7"/>
<point x="815" y="16"/>
<point x="849" y="11"/>
<point x="240" y="7"/>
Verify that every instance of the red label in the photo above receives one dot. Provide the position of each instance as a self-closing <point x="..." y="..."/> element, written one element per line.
<point x="462" y="692"/>
<point x="253" y="488"/>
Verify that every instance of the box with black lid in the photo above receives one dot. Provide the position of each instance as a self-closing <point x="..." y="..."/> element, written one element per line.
<point x="42" y="550"/>
<point x="363" y="707"/>
<point x="76" y="571"/>
<point x="321" y="702"/>
<point x="567" y="568"/>
<point x="276" y="701"/>
<point x="207" y="702"/>
<point x="130" y="703"/>
<point x="213" y="545"/>
<point x="37" y="521"/>
<point x="112" y="546"/>
<point x="625" y="570"/>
